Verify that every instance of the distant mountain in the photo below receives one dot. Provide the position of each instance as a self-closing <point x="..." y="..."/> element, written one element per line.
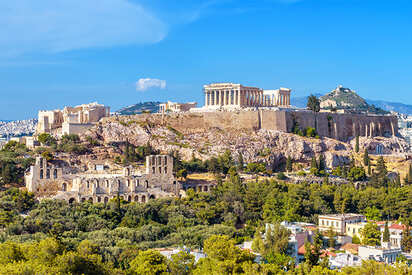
<point x="151" y="106"/>
<point x="392" y="106"/>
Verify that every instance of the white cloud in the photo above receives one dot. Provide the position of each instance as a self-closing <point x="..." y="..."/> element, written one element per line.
<point x="45" y="26"/>
<point x="144" y="84"/>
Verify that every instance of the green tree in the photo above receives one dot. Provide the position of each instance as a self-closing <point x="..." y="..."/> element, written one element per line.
<point x="46" y="139"/>
<point x="313" y="251"/>
<point x="406" y="242"/>
<point x="331" y="234"/>
<point x="357" y="144"/>
<point x="386" y="235"/>
<point x="289" y="164"/>
<point x="313" y="103"/>
<point x="366" y="160"/>
<point x="182" y="263"/>
<point x="223" y="257"/>
<point x="149" y="262"/>
<point x="240" y="161"/>
<point x="371" y="235"/>
<point x="182" y="173"/>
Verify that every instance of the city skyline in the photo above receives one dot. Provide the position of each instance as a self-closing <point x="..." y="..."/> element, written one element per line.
<point x="134" y="51"/>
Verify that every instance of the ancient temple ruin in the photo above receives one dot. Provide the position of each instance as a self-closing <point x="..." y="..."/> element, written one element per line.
<point x="100" y="185"/>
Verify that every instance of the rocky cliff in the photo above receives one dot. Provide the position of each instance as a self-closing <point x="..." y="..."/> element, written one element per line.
<point x="255" y="145"/>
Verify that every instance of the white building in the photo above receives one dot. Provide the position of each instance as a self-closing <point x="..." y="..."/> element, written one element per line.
<point x="338" y="221"/>
<point x="175" y="107"/>
<point x="380" y="254"/>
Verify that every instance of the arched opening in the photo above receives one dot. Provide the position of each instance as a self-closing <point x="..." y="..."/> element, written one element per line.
<point x="136" y="198"/>
<point x="128" y="183"/>
<point x="83" y="199"/>
<point x="55" y="173"/>
<point x="146" y="184"/>
<point x="106" y="199"/>
<point x="152" y="197"/>
<point x="129" y="198"/>
<point x="88" y="185"/>
<point x="205" y="189"/>
<point x="107" y="183"/>
<point x="71" y="200"/>
<point x="99" y="199"/>
<point x="143" y="199"/>
<point x="41" y="174"/>
<point x="64" y="187"/>
<point x="91" y="200"/>
<point x="48" y="174"/>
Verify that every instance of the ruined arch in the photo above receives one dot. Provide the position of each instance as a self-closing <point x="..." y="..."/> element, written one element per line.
<point x="64" y="186"/>
<point x="90" y="200"/>
<point x="129" y="198"/>
<point x="72" y="200"/>
<point x="136" y="198"/>
<point x="143" y="199"/>
<point x="152" y="197"/>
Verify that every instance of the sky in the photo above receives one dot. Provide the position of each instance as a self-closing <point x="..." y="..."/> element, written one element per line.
<point x="55" y="53"/>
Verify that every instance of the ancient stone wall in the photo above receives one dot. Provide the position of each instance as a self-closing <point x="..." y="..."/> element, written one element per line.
<point x="333" y="125"/>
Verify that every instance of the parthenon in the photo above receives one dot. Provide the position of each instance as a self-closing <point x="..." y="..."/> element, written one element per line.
<point x="237" y="95"/>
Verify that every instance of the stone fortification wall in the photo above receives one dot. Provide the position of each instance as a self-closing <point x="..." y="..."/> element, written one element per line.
<point x="337" y="126"/>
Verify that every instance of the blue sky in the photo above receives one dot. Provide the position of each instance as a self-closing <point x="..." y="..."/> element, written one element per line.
<point x="65" y="52"/>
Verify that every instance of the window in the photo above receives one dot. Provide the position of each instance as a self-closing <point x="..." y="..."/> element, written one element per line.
<point x="48" y="174"/>
<point x="55" y="173"/>
<point x="41" y="174"/>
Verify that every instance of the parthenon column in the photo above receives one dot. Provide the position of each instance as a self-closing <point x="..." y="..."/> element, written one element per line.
<point x="206" y="99"/>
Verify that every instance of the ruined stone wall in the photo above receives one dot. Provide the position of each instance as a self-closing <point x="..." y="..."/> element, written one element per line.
<point x="334" y="125"/>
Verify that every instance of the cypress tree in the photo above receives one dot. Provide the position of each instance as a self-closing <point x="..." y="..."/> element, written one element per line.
<point x="289" y="166"/>
<point x="366" y="159"/>
<point x="314" y="163"/>
<point x="322" y="164"/>
<point x="386" y="235"/>
<point x="357" y="144"/>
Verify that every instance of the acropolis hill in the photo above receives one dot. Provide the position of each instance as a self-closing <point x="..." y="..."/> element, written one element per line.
<point x="333" y="125"/>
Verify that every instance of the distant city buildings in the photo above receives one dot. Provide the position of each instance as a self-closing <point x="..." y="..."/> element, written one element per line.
<point x="405" y="127"/>
<point x="17" y="128"/>
<point x="71" y="120"/>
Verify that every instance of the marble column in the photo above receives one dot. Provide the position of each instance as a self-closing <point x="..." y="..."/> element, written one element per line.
<point x="206" y="99"/>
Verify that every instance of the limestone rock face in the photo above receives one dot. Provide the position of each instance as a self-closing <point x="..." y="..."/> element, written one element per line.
<point x="269" y="146"/>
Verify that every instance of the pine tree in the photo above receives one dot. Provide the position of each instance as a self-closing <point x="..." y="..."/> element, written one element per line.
<point x="289" y="165"/>
<point x="386" y="235"/>
<point x="357" y="144"/>
<point x="366" y="160"/>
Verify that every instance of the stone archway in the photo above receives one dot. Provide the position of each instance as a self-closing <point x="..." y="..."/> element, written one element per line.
<point x="106" y="200"/>
<point x="72" y="200"/>
<point x="205" y="189"/>
<point x="64" y="186"/>
<point x="136" y="198"/>
<point x="83" y="199"/>
<point x="152" y="197"/>
<point x="143" y="200"/>
<point x="129" y="198"/>
<point x="99" y="199"/>
<point x="90" y="199"/>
